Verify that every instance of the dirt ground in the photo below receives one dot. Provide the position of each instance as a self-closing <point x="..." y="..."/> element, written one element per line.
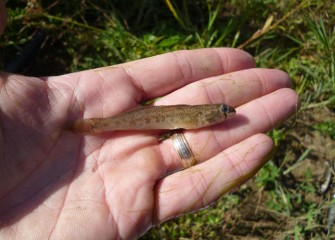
<point x="302" y="156"/>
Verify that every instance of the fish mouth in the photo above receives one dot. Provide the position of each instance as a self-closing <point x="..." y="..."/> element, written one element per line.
<point x="228" y="110"/>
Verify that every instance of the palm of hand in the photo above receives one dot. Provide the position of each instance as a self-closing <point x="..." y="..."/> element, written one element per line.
<point x="111" y="185"/>
<point x="43" y="163"/>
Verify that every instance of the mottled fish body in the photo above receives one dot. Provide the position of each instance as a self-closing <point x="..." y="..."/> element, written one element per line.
<point x="159" y="117"/>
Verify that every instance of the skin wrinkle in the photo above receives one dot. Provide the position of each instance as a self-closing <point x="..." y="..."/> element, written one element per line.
<point x="208" y="188"/>
<point x="139" y="89"/>
<point x="51" y="96"/>
<point x="123" y="216"/>
<point x="177" y="58"/>
<point x="32" y="171"/>
<point x="95" y="159"/>
<point x="48" y="91"/>
<point x="104" y="103"/>
<point x="85" y="93"/>
<point x="6" y="92"/>
<point x="229" y="140"/>
<point x="265" y="157"/>
<point x="236" y="166"/>
<point x="114" y="224"/>
<point x="31" y="195"/>
<point x="99" y="97"/>
<point x="157" y="192"/>
<point x="200" y="193"/>
<point x="66" y="194"/>
<point x="23" y="111"/>
<point x="32" y="131"/>
<point x="225" y="60"/>
<point x="232" y="183"/>
<point x="75" y="100"/>
<point x="102" y="177"/>
<point x="104" y="82"/>
<point x="187" y="208"/>
<point x="269" y="118"/>
<point x="112" y="151"/>
<point x="253" y="149"/>
<point x="208" y="96"/>
<point x="199" y="146"/>
<point x="61" y="209"/>
<point x="230" y="82"/>
<point x="129" y="220"/>
<point x="111" y="219"/>
<point x="141" y="178"/>
<point x="222" y="92"/>
<point x="88" y="146"/>
<point x="10" y="86"/>
<point x="261" y="83"/>
<point x="70" y="104"/>
<point x="17" y="82"/>
<point x="217" y="142"/>
<point x="200" y="188"/>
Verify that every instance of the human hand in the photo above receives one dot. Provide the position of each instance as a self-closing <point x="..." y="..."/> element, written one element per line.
<point x="60" y="185"/>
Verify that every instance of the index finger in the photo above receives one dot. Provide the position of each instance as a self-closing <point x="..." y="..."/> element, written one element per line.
<point x="159" y="75"/>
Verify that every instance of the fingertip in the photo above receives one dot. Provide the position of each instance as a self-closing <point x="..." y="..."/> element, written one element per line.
<point x="282" y="76"/>
<point x="290" y="99"/>
<point x="267" y="146"/>
<point x="271" y="79"/>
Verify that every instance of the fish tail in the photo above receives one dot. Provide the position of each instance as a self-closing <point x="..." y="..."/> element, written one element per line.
<point x="81" y="126"/>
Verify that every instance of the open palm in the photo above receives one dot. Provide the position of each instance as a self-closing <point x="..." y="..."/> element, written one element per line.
<point x="60" y="185"/>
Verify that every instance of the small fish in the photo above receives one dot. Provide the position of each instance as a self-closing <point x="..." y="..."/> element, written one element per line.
<point x="158" y="117"/>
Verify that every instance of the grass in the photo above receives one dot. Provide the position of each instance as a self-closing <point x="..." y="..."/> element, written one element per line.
<point x="282" y="201"/>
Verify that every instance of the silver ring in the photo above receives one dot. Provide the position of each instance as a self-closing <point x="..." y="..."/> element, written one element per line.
<point x="183" y="149"/>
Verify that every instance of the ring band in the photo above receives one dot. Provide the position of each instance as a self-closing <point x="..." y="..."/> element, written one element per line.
<point x="183" y="149"/>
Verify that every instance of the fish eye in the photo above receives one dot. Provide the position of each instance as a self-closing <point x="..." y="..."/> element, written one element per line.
<point x="227" y="109"/>
<point x="224" y="108"/>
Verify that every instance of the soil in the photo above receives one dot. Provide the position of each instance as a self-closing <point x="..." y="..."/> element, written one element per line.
<point x="302" y="155"/>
